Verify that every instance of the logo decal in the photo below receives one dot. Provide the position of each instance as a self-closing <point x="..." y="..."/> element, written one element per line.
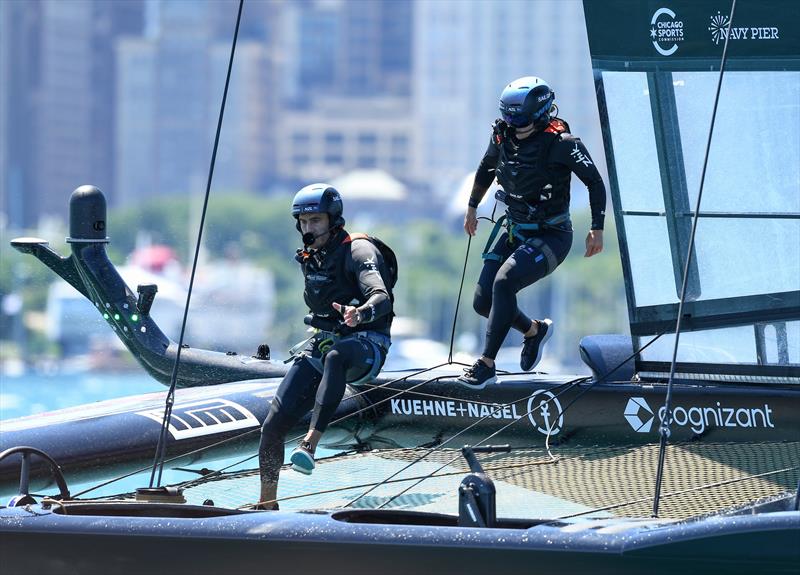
<point x="204" y="417"/>
<point x="580" y="157"/>
<point x="665" y="31"/>
<point x="544" y="412"/>
<point x="719" y="29"/>
<point x="452" y="408"/>
<point x="639" y="414"/>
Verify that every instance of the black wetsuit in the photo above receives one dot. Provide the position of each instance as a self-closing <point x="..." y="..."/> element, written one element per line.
<point x="535" y="174"/>
<point x="349" y="272"/>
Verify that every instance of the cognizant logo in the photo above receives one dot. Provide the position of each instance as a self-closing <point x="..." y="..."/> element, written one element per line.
<point x="640" y="416"/>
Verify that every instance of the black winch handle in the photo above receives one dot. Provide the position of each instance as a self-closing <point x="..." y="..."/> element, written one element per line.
<point x="492" y="449"/>
<point x="469" y="454"/>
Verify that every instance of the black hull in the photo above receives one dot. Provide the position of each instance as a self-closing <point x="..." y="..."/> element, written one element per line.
<point x="388" y="543"/>
<point x="118" y="436"/>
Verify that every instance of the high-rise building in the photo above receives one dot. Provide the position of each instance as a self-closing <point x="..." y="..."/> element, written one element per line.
<point x="465" y="53"/>
<point x="171" y="87"/>
<point x="60" y="98"/>
<point x="246" y="154"/>
<point x="347" y="89"/>
<point x="20" y="28"/>
<point x="136" y="121"/>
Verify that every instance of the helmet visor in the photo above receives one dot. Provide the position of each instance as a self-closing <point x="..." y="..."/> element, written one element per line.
<point x="513" y="115"/>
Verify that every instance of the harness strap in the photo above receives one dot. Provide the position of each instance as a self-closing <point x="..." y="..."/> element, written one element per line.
<point x="515" y="234"/>
<point x="549" y="254"/>
<point x="487" y="254"/>
<point x="324" y="340"/>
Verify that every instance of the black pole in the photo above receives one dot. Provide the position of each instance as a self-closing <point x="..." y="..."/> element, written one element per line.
<point x="663" y="429"/>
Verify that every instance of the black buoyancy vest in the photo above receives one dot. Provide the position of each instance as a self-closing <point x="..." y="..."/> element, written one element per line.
<point x="327" y="279"/>
<point x="534" y="191"/>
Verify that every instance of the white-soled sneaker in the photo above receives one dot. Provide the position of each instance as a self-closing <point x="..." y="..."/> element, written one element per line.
<point x="303" y="458"/>
<point x="532" y="346"/>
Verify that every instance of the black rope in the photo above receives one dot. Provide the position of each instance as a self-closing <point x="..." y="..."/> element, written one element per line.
<point x="158" y="460"/>
<point x="258" y="429"/>
<point x="568" y="386"/>
<point x="461" y="287"/>
<point x="667" y="419"/>
<point x="458" y="301"/>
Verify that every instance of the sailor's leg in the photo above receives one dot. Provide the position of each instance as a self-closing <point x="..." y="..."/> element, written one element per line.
<point x="529" y="263"/>
<point x="482" y="302"/>
<point x="350" y="354"/>
<point x="294" y="398"/>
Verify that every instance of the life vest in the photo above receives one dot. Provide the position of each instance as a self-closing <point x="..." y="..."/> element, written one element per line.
<point x="533" y="192"/>
<point x="327" y="279"/>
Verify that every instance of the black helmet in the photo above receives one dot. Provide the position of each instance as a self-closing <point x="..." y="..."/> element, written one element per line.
<point x="525" y="101"/>
<point x="318" y="199"/>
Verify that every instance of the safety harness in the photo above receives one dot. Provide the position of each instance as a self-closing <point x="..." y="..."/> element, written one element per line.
<point x="517" y="230"/>
<point x="322" y="341"/>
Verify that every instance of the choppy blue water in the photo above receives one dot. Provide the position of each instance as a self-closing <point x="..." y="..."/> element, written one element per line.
<point x="31" y="393"/>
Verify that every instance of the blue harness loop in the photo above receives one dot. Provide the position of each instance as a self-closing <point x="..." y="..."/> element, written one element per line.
<point x="323" y="341"/>
<point x="516" y="230"/>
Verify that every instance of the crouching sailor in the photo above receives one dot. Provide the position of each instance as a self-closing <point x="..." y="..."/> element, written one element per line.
<point x="348" y="281"/>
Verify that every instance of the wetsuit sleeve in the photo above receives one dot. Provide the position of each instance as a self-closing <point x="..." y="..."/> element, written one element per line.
<point x="571" y="153"/>
<point x="366" y="264"/>
<point x="485" y="174"/>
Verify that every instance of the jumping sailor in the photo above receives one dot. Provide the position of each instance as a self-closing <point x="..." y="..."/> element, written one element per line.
<point x="533" y="156"/>
<point x="348" y="289"/>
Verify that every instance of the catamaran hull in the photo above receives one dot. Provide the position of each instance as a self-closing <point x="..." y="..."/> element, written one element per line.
<point x="114" y="437"/>
<point x="34" y="540"/>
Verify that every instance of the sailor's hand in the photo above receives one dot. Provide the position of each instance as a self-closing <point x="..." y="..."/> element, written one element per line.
<point x="471" y="221"/>
<point x="351" y="315"/>
<point x="594" y="243"/>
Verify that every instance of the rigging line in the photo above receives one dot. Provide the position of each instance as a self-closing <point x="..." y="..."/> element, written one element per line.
<point x="458" y="300"/>
<point x="351" y="487"/>
<point x="575" y="382"/>
<point x="251" y="431"/>
<point x="490" y="436"/>
<point x="681" y="492"/>
<point x="665" y="422"/>
<point x="497" y="409"/>
<point x="461" y="288"/>
<point x="568" y="386"/>
<point x="158" y="461"/>
<point x="344" y="417"/>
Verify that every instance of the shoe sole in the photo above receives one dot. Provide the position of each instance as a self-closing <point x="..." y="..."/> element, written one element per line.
<point x="302" y="463"/>
<point x="546" y="337"/>
<point x="489" y="381"/>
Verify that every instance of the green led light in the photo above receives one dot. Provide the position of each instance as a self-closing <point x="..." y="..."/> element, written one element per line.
<point x="105" y="316"/>
<point x="134" y="317"/>
<point x="116" y="317"/>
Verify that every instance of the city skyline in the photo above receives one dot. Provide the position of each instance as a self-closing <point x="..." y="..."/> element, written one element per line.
<point x="125" y="95"/>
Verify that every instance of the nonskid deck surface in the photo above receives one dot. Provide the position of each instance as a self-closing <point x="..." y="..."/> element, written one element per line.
<point x="699" y="478"/>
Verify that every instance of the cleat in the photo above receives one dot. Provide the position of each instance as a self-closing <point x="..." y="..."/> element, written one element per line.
<point x="532" y="346"/>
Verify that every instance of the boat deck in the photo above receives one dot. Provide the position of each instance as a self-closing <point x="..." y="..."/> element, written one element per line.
<point x="699" y="478"/>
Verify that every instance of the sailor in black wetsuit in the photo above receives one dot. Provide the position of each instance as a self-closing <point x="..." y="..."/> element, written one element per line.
<point x="532" y="155"/>
<point x="346" y="290"/>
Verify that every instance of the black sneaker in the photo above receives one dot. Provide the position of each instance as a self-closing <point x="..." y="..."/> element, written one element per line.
<point x="532" y="346"/>
<point x="478" y="375"/>
<point x="303" y="458"/>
